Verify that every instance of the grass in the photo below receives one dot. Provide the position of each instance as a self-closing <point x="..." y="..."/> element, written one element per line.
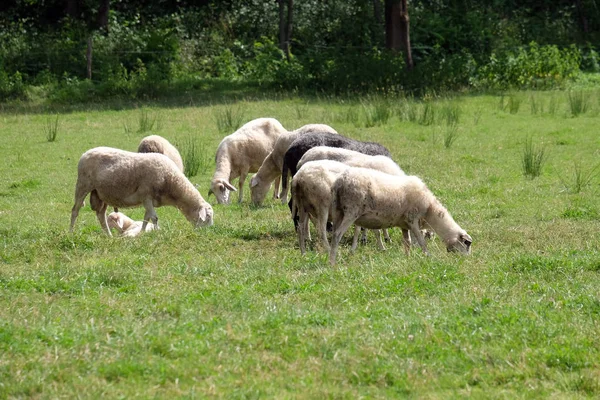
<point x="194" y="155"/>
<point x="51" y="128"/>
<point x="229" y="117"/>
<point x="234" y="310"/>
<point x="532" y="159"/>
<point x="147" y="122"/>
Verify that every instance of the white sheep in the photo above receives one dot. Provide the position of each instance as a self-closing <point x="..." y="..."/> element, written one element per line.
<point x="126" y="226"/>
<point x="311" y="194"/>
<point x="270" y="170"/>
<point x="124" y="179"/>
<point x="354" y="159"/>
<point x="158" y="144"/>
<point x="375" y="200"/>
<point x="242" y="152"/>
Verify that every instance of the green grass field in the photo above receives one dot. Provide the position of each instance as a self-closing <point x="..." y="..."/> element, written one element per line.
<point x="234" y="310"/>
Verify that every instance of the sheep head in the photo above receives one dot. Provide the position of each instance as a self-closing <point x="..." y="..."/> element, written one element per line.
<point x="115" y="220"/>
<point x="221" y="189"/>
<point x="202" y="216"/>
<point x="258" y="190"/>
<point x="461" y="243"/>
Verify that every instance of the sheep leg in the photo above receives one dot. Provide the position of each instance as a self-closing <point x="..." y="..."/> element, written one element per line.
<point x="79" y="198"/>
<point x="101" y="215"/>
<point x="321" y="225"/>
<point x="339" y="228"/>
<point x="386" y="236"/>
<point x="378" y="238"/>
<point x="241" y="184"/>
<point x="276" y="190"/>
<point x="363" y="237"/>
<point x="149" y="215"/>
<point x="302" y="229"/>
<point x="415" y="231"/>
<point x="406" y="241"/>
<point x="355" y="238"/>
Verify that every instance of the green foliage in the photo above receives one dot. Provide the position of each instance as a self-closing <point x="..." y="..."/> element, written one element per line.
<point x="534" y="66"/>
<point x="581" y="177"/>
<point x="12" y="87"/>
<point x="148" y="121"/>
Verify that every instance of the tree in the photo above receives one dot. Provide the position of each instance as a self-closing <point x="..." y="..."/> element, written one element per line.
<point x="397" y="29"/>
<point x="285" y="26"/>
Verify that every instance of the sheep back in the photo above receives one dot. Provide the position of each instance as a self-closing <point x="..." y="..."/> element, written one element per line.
<point x="158" y="144"/>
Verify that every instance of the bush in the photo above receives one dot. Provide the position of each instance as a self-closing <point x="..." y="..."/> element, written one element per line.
<point x="12" y="87"/>
<point x="529" y="67"/>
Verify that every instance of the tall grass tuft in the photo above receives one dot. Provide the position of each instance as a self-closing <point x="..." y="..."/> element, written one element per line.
<point x="229" y="118"/>
<point x="450" y="114"/>
<point x="450" y="135"/>
<point x="194" y="155"/>
<point x="533" y="159"/>
<point x="514" y="103"/>
<point x="578" y="102"/>
<point x="536" y="104"/>
<point x="581" y="178"/>
<point x="427" y="115"/>
<point x="552" y="105"/>
<point x="51" y="128"/>
<point x="349" y="115"/>
<point x="301" y="110"/>
<point x="147" y="121"/>
<point x="408" y="111"/>
<point x="377" y="113"/>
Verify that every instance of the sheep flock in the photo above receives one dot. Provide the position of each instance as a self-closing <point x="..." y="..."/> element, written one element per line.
<point x="336" y="182"/>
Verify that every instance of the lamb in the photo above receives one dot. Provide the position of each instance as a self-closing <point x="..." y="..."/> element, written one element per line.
<point x="271" y="166"/>
<point x="375" y="200"/>
<point x="158" y="144"/>
<point x="313" y="139"/>
<point x="124" y="179"/>
<point x="126" y="226"/>
<point x="242" y="152"/>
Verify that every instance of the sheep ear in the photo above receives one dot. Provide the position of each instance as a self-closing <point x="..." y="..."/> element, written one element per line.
<point x="119" y="221"/>
<point x="229" y="186"/>
<point x="202" y="214"/>
<point x="466" y="239"/>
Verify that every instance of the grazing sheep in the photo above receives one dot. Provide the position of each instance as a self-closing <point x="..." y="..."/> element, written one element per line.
<point x="125" y="225"/>
<point x="270" y="169"/>
<point x="158" y="144"/>
<point x="354" y="159"/>
<point x="124" y="179"/>
<point x="311" y="197"/>
<point x="313" y="139"/>
<point x="242" y="152"/>
<point x="375" y="200"/>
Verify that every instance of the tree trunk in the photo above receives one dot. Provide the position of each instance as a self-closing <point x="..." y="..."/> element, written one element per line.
<point x="582" y="19"/>
<point x="281" y="24"/>
<point x="405" y="35"/>
<point x="88" y="56"/>
<point x="397" y="35"/>
<point x="103" y="14"/>
<point x="288" y="28"/>
<point x="377" y="11"/>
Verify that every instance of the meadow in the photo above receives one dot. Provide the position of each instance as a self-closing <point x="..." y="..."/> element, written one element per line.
<point x="234" y="310"/>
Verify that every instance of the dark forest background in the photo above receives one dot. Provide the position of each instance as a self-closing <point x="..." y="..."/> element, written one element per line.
<point x="74" y="50"/>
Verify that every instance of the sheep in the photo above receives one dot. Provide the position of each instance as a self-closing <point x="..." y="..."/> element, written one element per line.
<point x="354" y="159"/>
<point x="311" y="197"/>
<point x="158" y="144"/>
<point x="125" y="179"/>
<point x="375" y="200"/>
<point x="242" y="152"/>
<point x="271" y="166"/>
<point x="313" y="139"/>
<point x="126" y="226"/>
